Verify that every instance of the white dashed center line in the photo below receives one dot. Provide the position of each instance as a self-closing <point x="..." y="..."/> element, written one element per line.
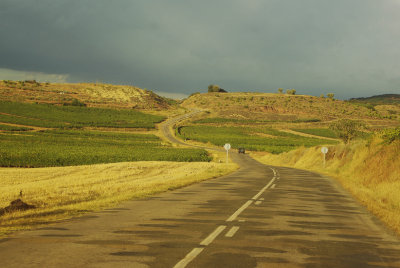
<point x="240" y="210"/>
<point x="210" y="238"/>
<point x="263" y="189"/>
<point x="189" y="257"/>
<point x="232" y="231"/>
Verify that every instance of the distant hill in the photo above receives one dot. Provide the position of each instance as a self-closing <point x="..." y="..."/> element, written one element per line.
<point x="379" y="99"/>
<point x="93" y="95"/>
<point x="278" y="107"/>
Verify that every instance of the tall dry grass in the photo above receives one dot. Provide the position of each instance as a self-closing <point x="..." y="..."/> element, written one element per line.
<point x="370" y="170"/>
<point x="63" y="192"/>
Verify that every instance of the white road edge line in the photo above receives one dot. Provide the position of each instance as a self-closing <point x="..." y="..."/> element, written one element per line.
<point x="188" y="258"/>
<point x="232" y="231"/>
<point x="212" y="236"/>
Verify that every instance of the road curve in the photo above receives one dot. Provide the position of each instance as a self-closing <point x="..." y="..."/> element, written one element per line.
<point x="259" y="216"/>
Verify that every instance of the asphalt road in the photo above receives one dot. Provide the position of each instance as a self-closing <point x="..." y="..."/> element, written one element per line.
<point x="259" y="216"/>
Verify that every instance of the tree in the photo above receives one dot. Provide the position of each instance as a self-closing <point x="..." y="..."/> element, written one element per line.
<point x="330" y="95"/>
<point x="215" y="88"/>
<point x="280" y="90"/>
<point x="347" y="129"/>
<point x="322" y="96"/>
<point x="291" y="91"/>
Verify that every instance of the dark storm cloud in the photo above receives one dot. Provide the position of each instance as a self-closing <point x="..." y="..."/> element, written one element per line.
<point x="316" y="46"/>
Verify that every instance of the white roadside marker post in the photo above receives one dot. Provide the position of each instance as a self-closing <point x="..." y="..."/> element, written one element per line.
<point x="324" y="150"/>
<point x="227" y="147"/>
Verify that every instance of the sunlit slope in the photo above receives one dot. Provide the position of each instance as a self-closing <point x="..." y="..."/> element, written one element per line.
<point x="93" y="95"/>
<point x="278" y="107"/>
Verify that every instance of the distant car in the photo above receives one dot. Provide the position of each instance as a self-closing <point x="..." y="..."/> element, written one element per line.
<point x="241" y="151"/>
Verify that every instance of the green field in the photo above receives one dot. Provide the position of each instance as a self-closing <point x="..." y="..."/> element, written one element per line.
<point x="250" y="138"/>
<point x="220" y="120"/>
<point x="323" y="132"/>
<point x="69" y="147"/>
<point x="13" y="128"/>
<point x="42" y="115"/>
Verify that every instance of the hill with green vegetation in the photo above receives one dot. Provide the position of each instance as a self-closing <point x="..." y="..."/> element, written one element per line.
<point x="379" y="99"/>
<point x="387" y="105"/>
<point x="279" y="122"/>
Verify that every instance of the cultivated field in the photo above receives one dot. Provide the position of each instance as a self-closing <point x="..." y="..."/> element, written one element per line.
<point x="52" y="116"/>
<point x="252" y="138"/>
<point x="72" y="147"/>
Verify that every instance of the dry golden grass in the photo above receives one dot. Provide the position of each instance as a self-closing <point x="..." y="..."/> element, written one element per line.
<point x="63" y="192"/>
<point x="369" y="170"/>
<point x="278" y="107"/>
<point x="94" y="95"/>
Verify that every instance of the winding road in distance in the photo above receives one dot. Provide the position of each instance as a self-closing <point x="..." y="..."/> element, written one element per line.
<point x="259" y="216"/>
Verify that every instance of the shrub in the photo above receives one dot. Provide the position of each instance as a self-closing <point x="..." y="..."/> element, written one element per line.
<point x="347" y="129"/>
<point x="280" y="90"/>
<point x="215" y="88"/>
<point x="390" y="135"/>
<point x="75" y="102"/>
<point x="291" y="91"/>
<point x="330" y="95"/>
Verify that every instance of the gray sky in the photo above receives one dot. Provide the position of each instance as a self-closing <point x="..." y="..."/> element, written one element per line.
<point x="348" y="47"/>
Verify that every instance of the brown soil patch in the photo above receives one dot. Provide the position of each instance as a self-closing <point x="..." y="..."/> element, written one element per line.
<point x="16" y="205"/>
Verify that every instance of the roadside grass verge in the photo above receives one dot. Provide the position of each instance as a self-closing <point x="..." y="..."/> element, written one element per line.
<point x="255" y="139"/>
<point x="44" y="115"/>
<point x="72" y="147"/>
<point x="63" y="192"/>
<point x="369" y="169"/>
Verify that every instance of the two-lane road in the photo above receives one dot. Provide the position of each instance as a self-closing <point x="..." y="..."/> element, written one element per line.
<point x="259" y="216"/>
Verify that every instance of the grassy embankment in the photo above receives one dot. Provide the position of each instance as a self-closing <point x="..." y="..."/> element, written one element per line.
<point x="369" y="169"/>
<point x="63" y="192"/>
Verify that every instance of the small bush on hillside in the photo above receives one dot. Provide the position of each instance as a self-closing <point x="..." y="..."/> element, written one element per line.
<point x="291" y="91"/>
<point x="75" y="102"/>
<point x="322" y="96"/>
<point x="390" y="135"/>
<point x="347" y="129"/>
<point x="215" y="88"/>
<point x="330" y="96"/>
<point x="370" y="106"/>
<point x="280" y="90"/>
